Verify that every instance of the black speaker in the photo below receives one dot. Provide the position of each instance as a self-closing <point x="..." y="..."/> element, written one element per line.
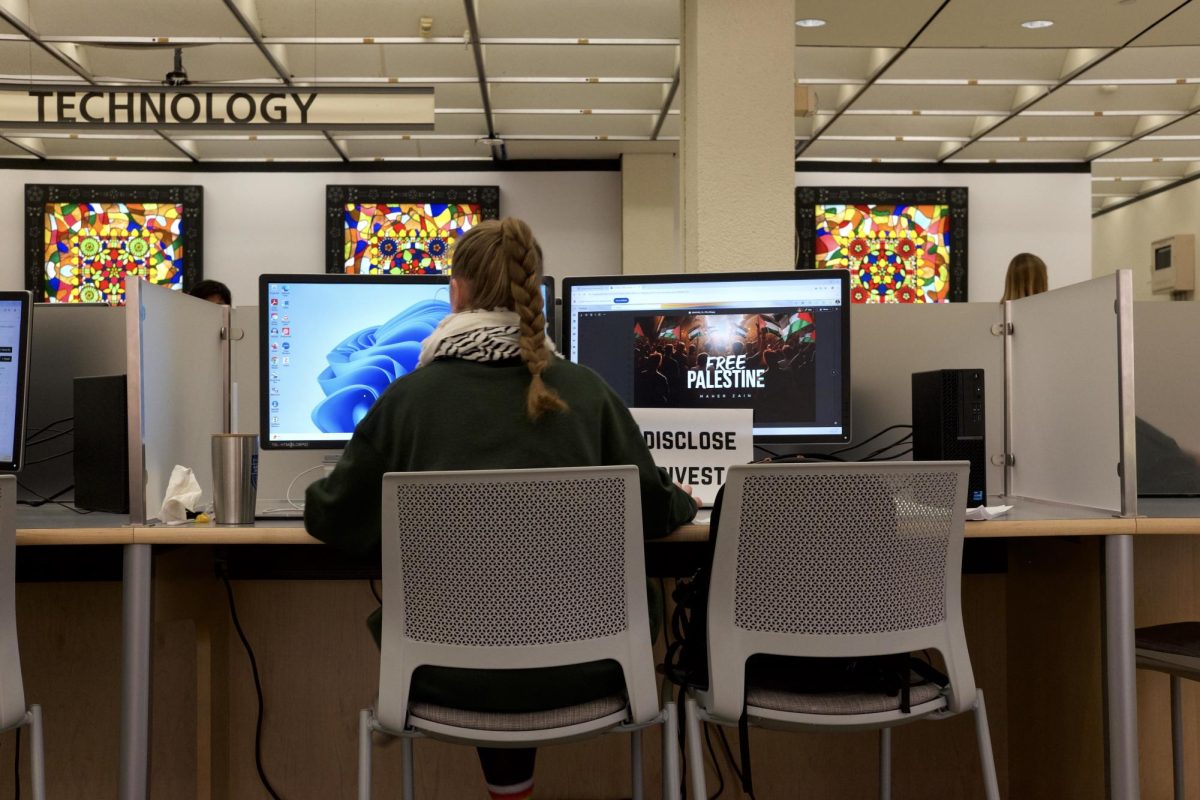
<point x="101" y="444"/>
<point x="948" y="423"/>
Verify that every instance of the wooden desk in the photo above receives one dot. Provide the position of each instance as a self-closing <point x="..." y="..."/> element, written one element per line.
<point x="55" y="525"/>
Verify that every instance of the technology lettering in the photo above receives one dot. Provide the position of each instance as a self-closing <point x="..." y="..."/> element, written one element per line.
<point x="173" y="108"/>
<point x="726" y="372"/>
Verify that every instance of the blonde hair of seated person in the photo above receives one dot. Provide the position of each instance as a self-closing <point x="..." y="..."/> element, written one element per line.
<point x="500" y="264"/>
<point x="1026" y="275"/>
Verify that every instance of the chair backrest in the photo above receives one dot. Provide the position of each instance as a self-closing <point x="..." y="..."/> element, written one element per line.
<point x="838" y="560"/>
<point x="506" y="569"/>
<point x="12" y="690"/>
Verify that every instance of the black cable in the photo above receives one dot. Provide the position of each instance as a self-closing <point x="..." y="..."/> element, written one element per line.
<point x="48" y="425"/>
<point x="884" y="449"/>
<point x="51" y="438"/>
<point x="258" y="725"/>
<point x="897" y="455"/>
<point x="729" y="754"/>
<point x="17" y="767"/>
<point x="869" y="439"/>
<point x="374" y="591"/>
<point x="49" y="458"/>
<point x="716" y="764"/>
<point x="41" y="500"/>
<point x="770" y="453"/>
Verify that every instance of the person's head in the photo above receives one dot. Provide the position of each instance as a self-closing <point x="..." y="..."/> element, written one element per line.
<point x="498" y="264"/>
<point x="213" y="292"/>
<point x="1026" y="275"/>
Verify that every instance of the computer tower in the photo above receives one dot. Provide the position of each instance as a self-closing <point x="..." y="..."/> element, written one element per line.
<point x="948" y="423"/>
<point x="101" y="444"/>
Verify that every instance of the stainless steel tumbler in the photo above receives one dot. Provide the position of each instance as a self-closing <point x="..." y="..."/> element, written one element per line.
<point x="235" y="477"/>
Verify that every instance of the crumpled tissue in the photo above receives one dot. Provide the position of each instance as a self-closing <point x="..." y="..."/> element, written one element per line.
<point x="183" y="494"/>
<point x="987" y="512"/>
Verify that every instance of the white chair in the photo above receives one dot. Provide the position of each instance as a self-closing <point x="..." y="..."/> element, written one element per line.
<point x="13" y="712"/>
<point x="837" y="560"/>
<point x="515" y="569"/>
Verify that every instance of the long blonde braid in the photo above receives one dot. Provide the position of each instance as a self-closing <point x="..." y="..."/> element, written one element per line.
<point x="502" y="263"/>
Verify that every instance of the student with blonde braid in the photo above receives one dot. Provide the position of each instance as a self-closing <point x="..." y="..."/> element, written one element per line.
<point x="490" y="393"/>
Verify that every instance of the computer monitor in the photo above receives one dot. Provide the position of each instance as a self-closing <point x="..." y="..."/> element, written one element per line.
<point x="775" y="342"/>
<point x="15" y="323"/>
<point x="329" y="345"/>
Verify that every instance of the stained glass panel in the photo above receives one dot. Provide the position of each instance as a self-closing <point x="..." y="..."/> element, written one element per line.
<point x="91" y="248"/>
<point x="405" y="238"/>
<point x="895" y="253"/>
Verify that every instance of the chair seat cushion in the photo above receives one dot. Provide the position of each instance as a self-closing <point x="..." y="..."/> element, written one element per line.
<point x="836" y="703"/>
<point x="524" y="721"/>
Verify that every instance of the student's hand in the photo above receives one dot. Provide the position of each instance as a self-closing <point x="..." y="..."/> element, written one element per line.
<point x="688" y="489"/>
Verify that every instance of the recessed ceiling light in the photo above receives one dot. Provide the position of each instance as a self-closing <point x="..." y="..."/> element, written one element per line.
<point x="810" y="23"/>
<point x="1034" y="24"/>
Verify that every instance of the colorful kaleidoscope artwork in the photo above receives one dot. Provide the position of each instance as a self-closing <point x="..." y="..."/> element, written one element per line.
<point x="895" y="253"/>
<point x="91" y="248"/>
<point x="405" y="238"/>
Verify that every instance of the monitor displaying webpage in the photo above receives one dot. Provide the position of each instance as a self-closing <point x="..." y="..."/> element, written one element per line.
<point x="11" y="334"/>
<point x="774" y="345"/>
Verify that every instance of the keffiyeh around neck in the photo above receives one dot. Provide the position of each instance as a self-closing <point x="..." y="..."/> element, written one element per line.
<point x="477" y="335"/>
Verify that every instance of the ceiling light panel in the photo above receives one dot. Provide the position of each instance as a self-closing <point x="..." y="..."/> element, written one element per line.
<point x="1149" y="62"/>
<point x="580" y="60"/>
<point x="982" y="23"/>
<point x="106" y="148"/>
<point x="1189" y="149"/>
<point x="886" y="149"/>
<point x="831" y="63"/>
<point x="909" y="125"/>
<point x="1104" y="127"/>
<point x="611" y="19"/>
<point x="574" y="95"/>
<point x="977" y="98"/>
<point x="387" y="61"/>
<point x="1055" y="151"/>
<point x="204" y="63"/>
<point x="363" y="18"/>
<point x="593" y="149"/>
<point x="1095" y="98"/>
<point x="18" y="58"/>
<point x="1162" y="169"/>
<point x="577" y="125"/>
<point x="130" y="18"/>
<point x="1016" y="65"/>
<point x="262" y="148"/>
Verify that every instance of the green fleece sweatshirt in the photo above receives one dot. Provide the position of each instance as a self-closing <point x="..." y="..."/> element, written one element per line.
<point x="456" y="415"/>
<point x="453" y="415"/>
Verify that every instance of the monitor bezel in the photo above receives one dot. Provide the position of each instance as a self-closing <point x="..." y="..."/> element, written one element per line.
<point x="843" y="277"/>
<point x="332" y="278"/>
<point x="26" y="300"/>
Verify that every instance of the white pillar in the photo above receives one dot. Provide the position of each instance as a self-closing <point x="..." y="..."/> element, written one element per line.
<point x="649" y="213"/>
<point x="738" y="142"/>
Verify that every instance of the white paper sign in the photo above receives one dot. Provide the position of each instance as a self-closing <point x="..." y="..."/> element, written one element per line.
<point x="698" y="445"/>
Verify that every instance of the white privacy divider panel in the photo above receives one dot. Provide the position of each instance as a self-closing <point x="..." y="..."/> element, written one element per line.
<point x="177" y="368"/>
<point x="890" y="342"/>
<point x="1070" y="395"/>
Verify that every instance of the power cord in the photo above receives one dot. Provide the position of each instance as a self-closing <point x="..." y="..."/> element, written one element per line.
<point x="258" y="724"/>
<point x="43" y="500"/>
<point x="374" y="591"/>
<point x="48" y="426"/>
<point x="870" y="439"/>
<point x="712" y="753"/>
<point x="49" y="458"/>
<point x="17" y="766"/>
<point x="874" y="453"/>
<point x="52" y="437"/>
<point x="287" y="495"/>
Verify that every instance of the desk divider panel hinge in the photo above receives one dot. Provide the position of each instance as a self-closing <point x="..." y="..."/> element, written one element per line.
<point x="1003" y="460"/>
<point x="1002" y="329"/>
<point x="233" y="334"/>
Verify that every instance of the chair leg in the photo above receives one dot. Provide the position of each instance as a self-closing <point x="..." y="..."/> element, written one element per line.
<point x="991" y="787"/>
<point x="37" y="756"/>
<point x="407" y="759"/>
<point x="1177" y="735"/>
<point x="885" y="764"/>
<point x="364" y="754"/>
<point x="695" y="758"/>
<point x="670" y="753"/>
<point x="635" y="763"/>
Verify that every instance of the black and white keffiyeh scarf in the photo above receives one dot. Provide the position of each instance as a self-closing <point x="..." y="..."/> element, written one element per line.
<point x="477" y="335"/>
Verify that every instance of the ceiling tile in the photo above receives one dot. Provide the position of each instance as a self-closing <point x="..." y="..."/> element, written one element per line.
<point x="361" y="18"/>
<point x="890" y="24"/>
<point x="134" y="18"/>
<point x="641" y="61"/>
